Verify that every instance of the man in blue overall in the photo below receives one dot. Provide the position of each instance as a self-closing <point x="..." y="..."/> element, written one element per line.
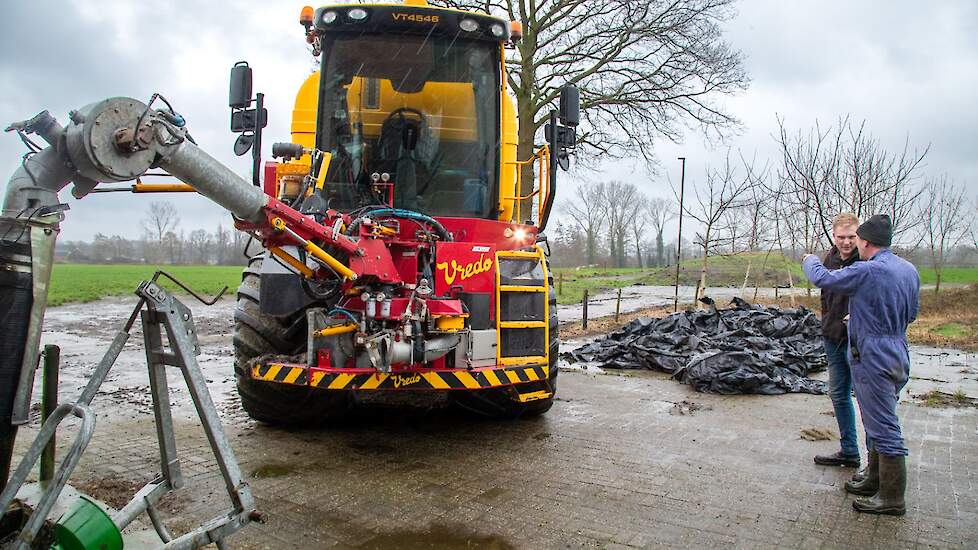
<point x="884" y="293"/>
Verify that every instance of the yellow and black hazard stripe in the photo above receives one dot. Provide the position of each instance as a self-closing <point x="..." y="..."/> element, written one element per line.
<point x="301" y="375"/>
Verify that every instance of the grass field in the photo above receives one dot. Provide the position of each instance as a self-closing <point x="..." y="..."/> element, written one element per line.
<point x="86" y="283"/>
<point x="949" y="275"/>
<point x="724" y="271"/>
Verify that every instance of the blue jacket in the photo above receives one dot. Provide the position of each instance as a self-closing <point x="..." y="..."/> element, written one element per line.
<point x="884" y="296"/>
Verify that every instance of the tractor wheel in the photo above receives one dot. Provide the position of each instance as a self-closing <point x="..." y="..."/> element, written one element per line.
<point x="504" y="402"/>
<point x="257" y="334"/>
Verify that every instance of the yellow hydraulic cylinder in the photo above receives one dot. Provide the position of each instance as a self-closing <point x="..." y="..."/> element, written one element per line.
<point x="317" y="252"/>
<point x="332" y="331"/>
<point x="292" y="261"/>
<point x="162" y="188"/>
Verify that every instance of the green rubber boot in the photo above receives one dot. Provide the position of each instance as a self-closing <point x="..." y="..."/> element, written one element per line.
<point x="870" y="482"/>
<point x="889" y="499"/>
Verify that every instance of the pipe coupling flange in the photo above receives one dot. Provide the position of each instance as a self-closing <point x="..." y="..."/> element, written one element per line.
<point x="104" y="143"/>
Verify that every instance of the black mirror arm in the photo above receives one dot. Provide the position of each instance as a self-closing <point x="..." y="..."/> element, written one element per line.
<point x="554" y="151"/>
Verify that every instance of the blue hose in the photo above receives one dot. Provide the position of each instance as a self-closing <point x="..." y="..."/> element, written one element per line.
<point x="412" y="215"/>
<point x="344" y="312"/>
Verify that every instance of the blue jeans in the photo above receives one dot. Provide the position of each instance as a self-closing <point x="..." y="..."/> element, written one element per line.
<point x="840" y="390"/>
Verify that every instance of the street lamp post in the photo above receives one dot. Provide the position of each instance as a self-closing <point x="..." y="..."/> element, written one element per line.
<point x="679" y="239"/>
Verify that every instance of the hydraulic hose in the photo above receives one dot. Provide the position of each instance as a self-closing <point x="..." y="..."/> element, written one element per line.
<point x="409" y="215"/>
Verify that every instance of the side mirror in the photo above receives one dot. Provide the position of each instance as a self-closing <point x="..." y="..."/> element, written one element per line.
<point x="239" y="92"/>
<point x="570" y="106"/>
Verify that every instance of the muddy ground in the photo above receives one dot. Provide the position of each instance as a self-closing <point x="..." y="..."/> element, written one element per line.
<point x="624" y="459"/>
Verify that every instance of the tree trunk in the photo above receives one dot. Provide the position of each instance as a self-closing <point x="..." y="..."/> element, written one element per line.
<point x="524" y="151"/>
<point x="701" y="284"/>
<point x="525" y="112"/>
<point x="591" y="246"/>
<point x="746" y="277"/>
<point x="638" y="251"/>
<point x="621" y="249"/>
<point x="659" y="250"/>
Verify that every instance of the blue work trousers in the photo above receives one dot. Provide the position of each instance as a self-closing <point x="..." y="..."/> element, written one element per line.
<point x="840" y="391"/>
<point x="879" y="373"/>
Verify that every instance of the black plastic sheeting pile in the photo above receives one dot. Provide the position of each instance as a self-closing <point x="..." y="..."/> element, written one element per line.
<point x="742" y="349"/>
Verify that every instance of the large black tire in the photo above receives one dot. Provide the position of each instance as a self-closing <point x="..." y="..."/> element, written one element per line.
<point x="504" y="402"/>
<point x="257" y="334"/>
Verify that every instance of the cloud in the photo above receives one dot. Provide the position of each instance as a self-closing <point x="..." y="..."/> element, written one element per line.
<point x="88" y="51"/>
<point x="907" y="68"/>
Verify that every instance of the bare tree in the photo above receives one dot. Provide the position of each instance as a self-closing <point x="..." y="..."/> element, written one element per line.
<point x="659" y="212"/>
<point x="222" y="244"/>
<point x="726" y="189"/>
<point x="843" y="168"/>
<point x="974" y="224"/>
<point x="569" y="245"/>
<point x="587" y="213"/>
<point x="620" y="200"/>
<point x="199" y="246"/>
<point x="646" y="69"/>
<point x="944" y="213"/>
<point x="639" y="222"/>
<point x="161" y="219"/>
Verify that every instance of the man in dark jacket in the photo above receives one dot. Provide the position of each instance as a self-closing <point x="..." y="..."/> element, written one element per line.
<point x="884" y="297"/>
<point x="835" y="308"/>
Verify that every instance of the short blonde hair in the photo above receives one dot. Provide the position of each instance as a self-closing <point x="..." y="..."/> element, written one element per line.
<point x="845" y="218"/>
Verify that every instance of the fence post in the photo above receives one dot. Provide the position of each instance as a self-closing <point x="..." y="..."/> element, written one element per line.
<point x="585" y="309"/>
<point x="618" y="305"/>
<point x="49" y="402"/>
<point x="560" y="283"/>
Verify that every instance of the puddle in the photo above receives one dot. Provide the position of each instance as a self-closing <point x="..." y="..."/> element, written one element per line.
<point x="436" y="537"/>
<point x="941" y="370"/>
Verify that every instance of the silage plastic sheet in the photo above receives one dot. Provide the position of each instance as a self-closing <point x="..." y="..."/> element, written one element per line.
<point x="741" y="349"/>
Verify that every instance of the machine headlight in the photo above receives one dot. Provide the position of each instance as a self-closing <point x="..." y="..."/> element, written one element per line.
<point x="468" y="25"/>
<point x="518" y="234"/>
<point x="328" y="17"/>
<point x="357" y="14"/>
<point x="497" y="30"/>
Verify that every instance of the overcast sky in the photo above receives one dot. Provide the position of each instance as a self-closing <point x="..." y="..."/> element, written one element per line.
<point x="908" y="68"/>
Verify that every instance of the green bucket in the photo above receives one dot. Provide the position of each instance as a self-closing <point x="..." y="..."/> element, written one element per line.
<point x="86" y="526"/>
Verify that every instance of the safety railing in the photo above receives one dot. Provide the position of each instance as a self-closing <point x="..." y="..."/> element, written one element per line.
<point x="541" y="190"/>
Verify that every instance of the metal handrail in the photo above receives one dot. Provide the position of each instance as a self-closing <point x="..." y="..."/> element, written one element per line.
<point x="542" y="190"/>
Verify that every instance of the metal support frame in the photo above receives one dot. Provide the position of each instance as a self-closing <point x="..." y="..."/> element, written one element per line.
<point x="157" y="309"/>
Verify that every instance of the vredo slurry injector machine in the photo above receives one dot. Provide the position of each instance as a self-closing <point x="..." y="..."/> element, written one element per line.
<point x="401" y="236"/>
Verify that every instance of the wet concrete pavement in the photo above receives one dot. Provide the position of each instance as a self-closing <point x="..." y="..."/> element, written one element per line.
<point x="623" y="460"/>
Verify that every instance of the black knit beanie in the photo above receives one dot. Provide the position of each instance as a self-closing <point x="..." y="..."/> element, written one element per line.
<point x="877" y="230"/>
